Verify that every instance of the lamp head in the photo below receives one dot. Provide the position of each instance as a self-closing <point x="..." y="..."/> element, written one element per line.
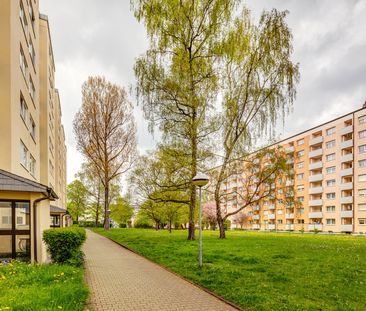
<point x="200" y="180"/>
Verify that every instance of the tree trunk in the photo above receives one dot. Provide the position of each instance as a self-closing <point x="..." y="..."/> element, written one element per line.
<point x="221" y="224"/>
<point x="97" y="209"/>
<point x="106" y="206"/>
<point x="170" y="226"/>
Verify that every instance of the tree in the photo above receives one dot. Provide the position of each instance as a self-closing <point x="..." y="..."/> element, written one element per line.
<point x="121" y="211"/>
<point x="105" y="132"/>
<point x="263" y="175"/>
<point x="241" y="218"/>
<point x="209" y="214"/>
<point x="77" y="199"/>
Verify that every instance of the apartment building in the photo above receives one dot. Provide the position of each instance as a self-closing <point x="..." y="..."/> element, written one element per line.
<point x="32" y="139"/>
<point x="328" y="165"/>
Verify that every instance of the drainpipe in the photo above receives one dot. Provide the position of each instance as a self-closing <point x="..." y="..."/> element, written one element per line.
<point x="35" y="203"/>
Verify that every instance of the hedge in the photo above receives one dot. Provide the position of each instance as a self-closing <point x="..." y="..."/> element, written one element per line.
<point x="64" y="244"/>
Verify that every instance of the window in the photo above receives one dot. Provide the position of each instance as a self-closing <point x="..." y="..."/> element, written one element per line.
<point x="331" y="208"/>
<point x="362" y="221"/>
<point x="32" y="52"/>
<point x="362" y="148"/>
<point x="331" y="221"/>
<point x="300" y="176"/>
<point x="362" y="207"/>
<point x="362" y="177"/>
<point x="279" y="221"/>
<point x="330" y="144"/>
<point x="23" y="64"/>
<point x="32" y="127"/>
<point x="23" y="155"/>
<point x="362" y="192"/>
<point x="331" y="170"/>
<point x="300" y="165"/>
<point x="331" y="183"/>
<point x="31" y="15"/>
<point x="362" y="120"/>
<point x="300" y="142"/>
<point x="330" y="157"/>
<point x="300" y="199"/>
<point x="23" y="18"/>
<point x="300" y="153"/>
<point x="280" y="212"/>
<point x="32" y="165"/>
<point x="32" y="90"/>
<point x="23" y="109"/>
<point x="300" y="221"/>
<point x="331" y="196"/>
<point x="362" y="163"/>
<point x="300" y="188"/>
<point x="51" y="167"/>
<point x="331" y="131"/>
<point x="362" y="134"/>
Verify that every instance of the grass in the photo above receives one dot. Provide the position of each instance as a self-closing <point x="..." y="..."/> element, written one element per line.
<point x="25" y="287"/>
<point x="263" y="271"/>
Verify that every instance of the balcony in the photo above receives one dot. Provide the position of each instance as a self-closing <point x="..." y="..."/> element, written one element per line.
<point x="313" y="227"/>
<point x="346" y="186"/>
<point x="315" y="214"/>
<point x="290" y="161"/>
<point x="256" y="208"/>
<point x="289" y="227"/>
<point x="347" y="200"/>
<point x="316" y="165"/>
<point x="271" y="227"/>
<point x="347" y="130"/>
<point x="256" y="217"/>
<point x="318" y="202"/>
<point x="271" y="206"/>
<point x="289" y="182"/>
<point x="271" y="216"/>
<point x="346" y="214"/>
<point x="347" y="144"/>
<point x="290" y="149"/>
<point x="346" y="228"/>
<point x="315" y="153"/>
<point x="316" y="140"/>
<point x="315" y="190"/>
<point x="256" y="226"/>
<point x="316" y="177"/>
<point x="347" y="172"/>
<point x="347" y="158"/>
<point x="290" y="216"/>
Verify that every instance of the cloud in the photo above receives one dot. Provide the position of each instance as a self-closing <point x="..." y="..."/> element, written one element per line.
<point x="103" y="37"/>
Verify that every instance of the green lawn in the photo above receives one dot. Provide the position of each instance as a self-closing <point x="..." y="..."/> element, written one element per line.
<point x="263" y="271"/>
<point x="25" y="287"/>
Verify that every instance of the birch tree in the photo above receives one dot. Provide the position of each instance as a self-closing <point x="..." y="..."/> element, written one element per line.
<point x="105" y="132"/>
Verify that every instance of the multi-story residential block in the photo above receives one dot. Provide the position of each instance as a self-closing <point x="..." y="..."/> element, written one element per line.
<point x="329" y="181"/>
<point x="32" y="139"/>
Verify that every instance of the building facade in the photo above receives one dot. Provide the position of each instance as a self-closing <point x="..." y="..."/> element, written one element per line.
<point x="329" y="181"/>
<point x="32" y="139"/>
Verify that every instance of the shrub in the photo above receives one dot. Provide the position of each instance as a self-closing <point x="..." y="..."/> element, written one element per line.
<point x="227" y="224"/>
<point x="64" y="245"/>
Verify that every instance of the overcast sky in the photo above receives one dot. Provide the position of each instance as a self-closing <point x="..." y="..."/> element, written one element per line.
<point x="102" y="37"/>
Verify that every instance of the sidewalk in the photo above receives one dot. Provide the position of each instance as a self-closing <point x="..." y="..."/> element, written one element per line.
<point x="121" y="280"/>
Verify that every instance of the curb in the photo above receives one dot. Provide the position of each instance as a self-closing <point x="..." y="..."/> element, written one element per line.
<point x="176" y="274"/>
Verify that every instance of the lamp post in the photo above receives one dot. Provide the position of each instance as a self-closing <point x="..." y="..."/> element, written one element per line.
<point x="200" y="180"/>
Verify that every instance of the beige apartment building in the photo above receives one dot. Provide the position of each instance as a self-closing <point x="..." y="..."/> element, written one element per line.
<point x="328" y="184"/>
<point x="32" y="139"/>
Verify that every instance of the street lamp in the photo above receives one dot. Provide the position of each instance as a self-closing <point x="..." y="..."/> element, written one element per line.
<point x="200" y="180"/>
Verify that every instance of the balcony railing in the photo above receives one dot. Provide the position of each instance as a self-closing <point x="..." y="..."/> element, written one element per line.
<point x="315" y="190"/>
<point x="271" y="227"/>
<point x="315" y="153"/>
<point x="271" y="216"/>
<point x="256" y="217"/>
<point x="313" y="227"/>
<point x="316" y="140"/>
<point x="290" y="216"/>
<point x="316" y="165"/>
<point x="256" y="226"/>
<point x="289" y="227"/>
<point x="346" y="214"/>
<point x="347" y="130"/>
<point x="346" y="186"/>
<point x="347" y="172"/>
<point x="271" y="206"/>
<point x="346" y="228"/>
<point x="347" y="158"/>
<point x="290" y="149"/>
<point x="314" y="178"/>
<point x="316" y="215"/>
<point x="347" y="200"/>
<point x="317" y="202"/>
<point x="347" y="144"/>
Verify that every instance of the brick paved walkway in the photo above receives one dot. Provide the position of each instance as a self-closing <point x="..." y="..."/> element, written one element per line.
<point x="121" y="280"/>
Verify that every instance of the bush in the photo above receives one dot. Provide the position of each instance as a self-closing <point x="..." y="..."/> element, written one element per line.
<point x="227" y="224"/>
<point x="64" y="245"/>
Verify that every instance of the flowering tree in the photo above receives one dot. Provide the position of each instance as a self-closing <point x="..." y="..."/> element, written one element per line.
<point x="209" y="214"/>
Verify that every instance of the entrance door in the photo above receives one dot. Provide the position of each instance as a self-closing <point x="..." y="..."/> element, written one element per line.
<point x="14" y="230"/>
